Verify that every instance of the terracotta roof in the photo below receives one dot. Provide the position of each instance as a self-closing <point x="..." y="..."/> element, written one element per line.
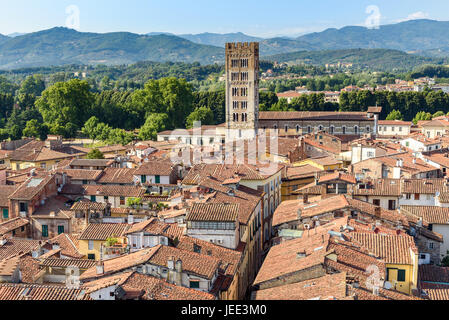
<point x="325" y="161"/>
<point x="91" y="162"/>
<point x="9" y="291"/>
<point x="225" y="171"/>
<point x="394" y="249"/>
<point x="408" y="164"/>
<point x="12" y="224"/>
<point x="426" y="186"/>
<point x="292" y="173"/>
<point x="117" y="176"/>
<point x="193" y="263"/>
<point x="81" y="174"/>
<point x="15" y="246"/>
<point x="437" y="294"/>
<point x="288" y="94"/>
<point x="293" y="256"/>
<point x="313" y="115"/>
<point x="69" y="245"/>
<point x="154" y="168"/>
<point x="31" y="186"/>
<point x="5" y="192"/>
<point x="388" y="215"/>
<point x="38" y="154"/>
<point x="378" y="187"/>
<point x="395" y="122"/>
<point x="223" y="212"/>
<point x="431" y="214"/>
<point x="328" y="287"/>
<point x="337" y="176"/>
<point x="9" y="266"/>
<point x="431" y="273"/>
<point x="293" y="210"/>
<point x="436" y="123"/>
<point x="158" y="289"/>
<point x="121" y="263"/>
<point x="64" y="263"/>
<point x="229" y="259"/>
<point x="85" y="204"/>
<point x="115" y="148"/>
<point x="246" y="198"/>
<point x="156" y="227"/>
<point x="374" y="109"/>
<point x="29" y="268"/>
<point x="115" y="279"/>
<point x="113" y="190"/>
<point x="103" y="231"/>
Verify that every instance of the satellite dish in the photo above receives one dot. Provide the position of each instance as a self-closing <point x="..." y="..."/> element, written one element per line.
<point x="388" y="285"/>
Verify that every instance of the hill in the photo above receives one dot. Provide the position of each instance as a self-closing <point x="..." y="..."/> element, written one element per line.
<point x="417" y="36"/>
<point x="372" y="59"/>
<point x="59" y="46"/>
<point x="219" y="40"/>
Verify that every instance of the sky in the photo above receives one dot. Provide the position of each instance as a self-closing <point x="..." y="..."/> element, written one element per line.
<point x="264" y="18"/>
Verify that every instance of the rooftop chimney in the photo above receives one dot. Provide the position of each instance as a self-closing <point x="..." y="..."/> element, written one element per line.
<point x="100" y="267"/>
<point x="378" y="212"/>
<point x="3" y="241"/>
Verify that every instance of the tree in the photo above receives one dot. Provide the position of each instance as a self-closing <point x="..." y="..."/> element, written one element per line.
<point x="438" y="114"/>
<point x="66" y="102"/>
<point x="33" y="85"/>
<point x="90" y="127"/>
<point x="134" y="202"/>
<point x="202" y="114"/>
<point x="445" y="261"/>
<point x="167" y="95"/>
<point x="34" y="129"/>
<point x="395" y="115"/>
<point x="422" y="116"/>
<point x="154" y="124"/>
<point x="95" y="154"/>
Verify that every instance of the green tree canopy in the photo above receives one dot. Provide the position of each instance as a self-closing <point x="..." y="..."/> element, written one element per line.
<point x="33" y="85"/>
<point x="395" y="115"/>
<point x="167" y="95"/>
<point x="64" y="103"/>
<point x="202" y="114"/>
<point x="154" y="124"/>
<point x="421" y="116"/>
<point x="95" y="154"/>
<point x="34" y="129"/>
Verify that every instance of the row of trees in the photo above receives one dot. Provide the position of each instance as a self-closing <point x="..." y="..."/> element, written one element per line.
<point x="67" y="108"/>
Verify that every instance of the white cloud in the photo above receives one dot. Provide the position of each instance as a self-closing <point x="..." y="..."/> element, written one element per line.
<point x="415" y="16"/>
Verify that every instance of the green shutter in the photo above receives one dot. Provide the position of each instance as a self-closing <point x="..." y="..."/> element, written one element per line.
<point x="158" y="179"/>
<point x="5" y="213"/>
<point x="401" y="275"/>
<point x="60" y="229"/>
<point x="93" y="198"/>
<point x="143" y="179"/>
<point x="44" y="230"/>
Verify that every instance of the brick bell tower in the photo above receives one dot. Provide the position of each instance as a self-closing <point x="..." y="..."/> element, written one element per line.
<point x="242" y="90"/>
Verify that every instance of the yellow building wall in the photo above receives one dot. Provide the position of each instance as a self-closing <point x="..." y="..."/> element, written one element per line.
<point x="84" y="248"/>
<point x="410" y="277"/>
<point x="17" y="165"/>
<point x="316" y="165"/>
<point x="288" y="187"/>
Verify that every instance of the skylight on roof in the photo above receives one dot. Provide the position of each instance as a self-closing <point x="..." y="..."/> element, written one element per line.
<point x="34" y="182"/>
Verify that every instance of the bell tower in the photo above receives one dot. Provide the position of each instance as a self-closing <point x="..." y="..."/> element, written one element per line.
<point x="242" y="90"/>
